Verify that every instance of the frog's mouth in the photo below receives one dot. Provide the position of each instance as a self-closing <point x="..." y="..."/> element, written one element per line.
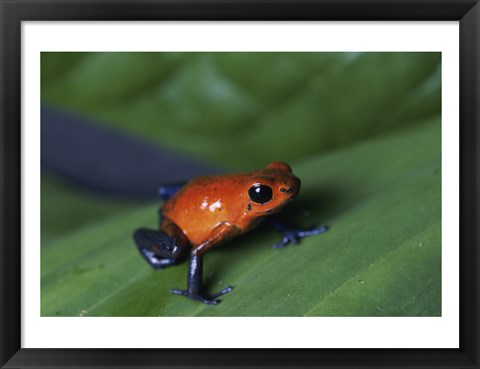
<point x="278" y="208"/>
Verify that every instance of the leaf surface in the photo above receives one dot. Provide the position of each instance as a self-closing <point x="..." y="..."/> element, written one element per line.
<point x="264" y="105"/>
<point x="381" y="256"/>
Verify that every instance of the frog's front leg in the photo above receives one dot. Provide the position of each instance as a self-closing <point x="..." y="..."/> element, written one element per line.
<point x="194" y="289"/>
<point x="292" y="234"/>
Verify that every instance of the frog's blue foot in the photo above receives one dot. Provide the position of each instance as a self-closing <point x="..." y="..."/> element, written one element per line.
<point x="157" y="248"/>
<point x="206" y="299"/>
<point x="167" y="191"/>
<point x="293" y="235"/>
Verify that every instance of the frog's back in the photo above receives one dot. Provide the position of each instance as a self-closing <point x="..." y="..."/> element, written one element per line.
<point x="205" y="202"/>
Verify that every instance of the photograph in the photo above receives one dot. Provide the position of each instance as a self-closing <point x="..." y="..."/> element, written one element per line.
<point x="241" y="184"/>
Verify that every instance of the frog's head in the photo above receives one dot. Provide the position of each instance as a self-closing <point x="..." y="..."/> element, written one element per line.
<point x="272" y="187"/>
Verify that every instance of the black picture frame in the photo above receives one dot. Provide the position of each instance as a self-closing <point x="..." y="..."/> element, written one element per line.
<point x="467" y="12"/>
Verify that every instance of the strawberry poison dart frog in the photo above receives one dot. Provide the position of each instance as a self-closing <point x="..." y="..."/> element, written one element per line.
<point x="210" y="210"/>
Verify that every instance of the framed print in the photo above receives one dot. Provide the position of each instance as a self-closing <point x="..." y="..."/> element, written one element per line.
<point x="239" y="184"/>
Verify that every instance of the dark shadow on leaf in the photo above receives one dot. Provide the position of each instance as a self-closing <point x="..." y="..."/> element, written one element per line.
<point x="324" y="206"/>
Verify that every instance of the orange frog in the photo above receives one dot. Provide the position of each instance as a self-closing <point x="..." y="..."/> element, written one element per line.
<point x="209" y="210"/>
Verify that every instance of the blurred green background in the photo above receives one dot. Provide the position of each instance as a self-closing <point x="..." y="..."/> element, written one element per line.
<point x="362" y="131"/>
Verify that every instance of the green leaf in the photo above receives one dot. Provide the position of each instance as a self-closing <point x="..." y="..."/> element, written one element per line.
<point x="216" y="105"/>
<point x="381" y="256"/>
<point x="65" y="209"/>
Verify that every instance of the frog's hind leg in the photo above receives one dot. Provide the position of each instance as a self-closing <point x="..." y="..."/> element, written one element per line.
<point x="158" y="248"/>
<point x="155" y="246"/>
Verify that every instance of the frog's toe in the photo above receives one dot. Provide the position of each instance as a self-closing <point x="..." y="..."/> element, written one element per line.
<point x="221" y="293"/>
<point x="196" y="297"/>
<point x="206" y="299"/>
<point x="292" y="236"/>
<point x="311" y="231"/>
<point x="286" y="239"/>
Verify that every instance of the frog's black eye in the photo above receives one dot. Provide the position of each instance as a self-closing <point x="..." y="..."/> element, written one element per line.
<point x="260" y="193"/>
